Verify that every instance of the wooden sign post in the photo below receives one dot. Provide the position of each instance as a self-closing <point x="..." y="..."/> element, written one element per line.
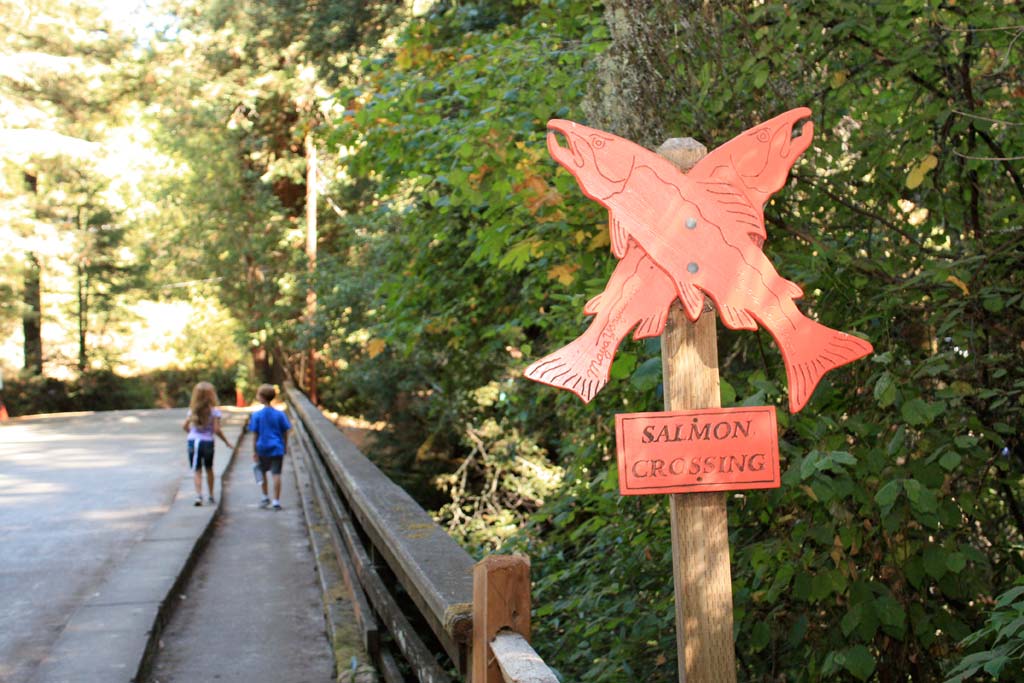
<point x="701" y="568"/>
<point x="688" y="230"/>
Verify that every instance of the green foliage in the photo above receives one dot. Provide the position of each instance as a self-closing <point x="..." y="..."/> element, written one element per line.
<point x="107" y="274"/>
<point x="9" y="309"/>
<point x="456" y="251"/>
<point x="1004" y="633"/>
<point x="602" y="582"/>
<point x="239" y="245"/>
<point x="465" y="253"/>
<point x="97" y="390"/>
<point x="173" y="386"/>
<point x="444" y="190"/>
<point x="36" y="394"/>
<point x="899" y="511"/>
<point x="208" y="337"/>
<point x="235" y="98"/>
<point x="504" y="478"/>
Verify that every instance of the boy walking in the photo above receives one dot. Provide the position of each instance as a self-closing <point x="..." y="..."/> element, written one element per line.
<point x="270" y="438"/>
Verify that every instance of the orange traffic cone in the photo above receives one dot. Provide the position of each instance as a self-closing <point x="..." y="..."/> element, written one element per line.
<point x="3" y="412"/>
<point x="239" y="399"/>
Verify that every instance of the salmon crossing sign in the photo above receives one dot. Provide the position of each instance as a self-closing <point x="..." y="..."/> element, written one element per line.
<point x="687" y="228"/>
<point x="697" y="450"/>
<point x="681" y="236"/>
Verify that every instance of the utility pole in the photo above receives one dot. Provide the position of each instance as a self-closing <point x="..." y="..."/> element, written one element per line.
<point x="311" y="199"/>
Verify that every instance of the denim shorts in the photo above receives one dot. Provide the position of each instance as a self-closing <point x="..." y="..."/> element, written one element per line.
<point x="203" y="459"/>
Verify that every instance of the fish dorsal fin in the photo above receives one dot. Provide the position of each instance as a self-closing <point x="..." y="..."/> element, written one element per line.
<point x="619" y="236"/>
<point x="593" y="307"/>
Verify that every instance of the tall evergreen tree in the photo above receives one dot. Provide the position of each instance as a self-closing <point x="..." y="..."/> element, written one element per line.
<point x="63" y="83"/>
<point x="241" y="89"/>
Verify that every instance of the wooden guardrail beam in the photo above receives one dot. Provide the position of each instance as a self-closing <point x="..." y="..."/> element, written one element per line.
<point x="434" y="570"/>
<point x="518" y="661"/>
<point x="480" y="614"/>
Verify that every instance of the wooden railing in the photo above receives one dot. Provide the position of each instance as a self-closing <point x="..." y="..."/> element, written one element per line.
<point x="417" y="595"/>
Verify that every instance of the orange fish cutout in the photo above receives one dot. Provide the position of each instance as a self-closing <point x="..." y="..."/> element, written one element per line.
<point x="684" y="235"/>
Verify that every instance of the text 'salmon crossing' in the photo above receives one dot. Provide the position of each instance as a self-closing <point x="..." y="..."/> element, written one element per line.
<point x="701" y="450"/>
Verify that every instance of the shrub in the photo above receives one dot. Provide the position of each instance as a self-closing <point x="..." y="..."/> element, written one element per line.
<point x="106" y="390"/>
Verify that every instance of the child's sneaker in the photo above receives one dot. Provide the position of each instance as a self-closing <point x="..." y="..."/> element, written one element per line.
<point x="264" y="502"/>
<point x="210" y="500"/>
<point x="276" y="505"/>
<point x="198" y="501"/>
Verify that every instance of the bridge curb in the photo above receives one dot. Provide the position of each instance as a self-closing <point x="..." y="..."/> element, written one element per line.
<point x="350" y="659"/>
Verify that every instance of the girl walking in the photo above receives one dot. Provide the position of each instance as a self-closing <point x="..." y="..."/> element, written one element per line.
<point x="202" y="423"/>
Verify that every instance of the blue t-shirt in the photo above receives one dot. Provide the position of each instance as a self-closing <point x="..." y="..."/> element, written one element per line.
<point x="270" y="426"/>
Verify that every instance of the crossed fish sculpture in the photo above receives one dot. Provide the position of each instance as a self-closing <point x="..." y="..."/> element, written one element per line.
<point x="684" y="235"/>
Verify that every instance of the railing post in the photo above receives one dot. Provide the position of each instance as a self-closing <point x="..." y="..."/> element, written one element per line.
<point x="501" y="601"/>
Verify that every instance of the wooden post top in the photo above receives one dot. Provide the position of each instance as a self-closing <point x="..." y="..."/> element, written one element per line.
<point x="683" y="152"/>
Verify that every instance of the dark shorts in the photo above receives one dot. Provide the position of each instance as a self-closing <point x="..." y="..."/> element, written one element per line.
<point x="204" y="459"/>
<point x="271" y="464"/>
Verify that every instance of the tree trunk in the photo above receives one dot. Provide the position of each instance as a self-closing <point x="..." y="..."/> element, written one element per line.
<point x="31" y="318"/>
<point x="83" y="317"/>
<point x="261" y="364"/>
<point x="83" y="294"/>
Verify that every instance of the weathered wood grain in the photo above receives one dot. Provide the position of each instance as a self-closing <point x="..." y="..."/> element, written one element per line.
<point x="518" y="661"/>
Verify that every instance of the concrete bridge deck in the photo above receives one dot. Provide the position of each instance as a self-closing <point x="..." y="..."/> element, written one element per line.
<point x="114" y="575"/>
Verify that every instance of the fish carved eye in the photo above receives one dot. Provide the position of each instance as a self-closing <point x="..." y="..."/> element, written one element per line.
<point x="763" y="135"/>
<point x="597" y="142"/>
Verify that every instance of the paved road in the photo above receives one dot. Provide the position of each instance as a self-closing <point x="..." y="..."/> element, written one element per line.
<point x="76" y="493"/>
<point x="253" y="609"/>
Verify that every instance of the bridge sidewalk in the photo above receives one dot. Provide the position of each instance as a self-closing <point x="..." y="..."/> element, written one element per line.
<point x="252" y="609"/>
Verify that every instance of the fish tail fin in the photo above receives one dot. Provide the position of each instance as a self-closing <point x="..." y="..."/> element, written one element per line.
<point x="571" y="368"/>
<point x="792" y="289"/>
<point x="821" y="349"/>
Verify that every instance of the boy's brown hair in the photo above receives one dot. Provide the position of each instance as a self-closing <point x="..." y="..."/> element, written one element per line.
<point x="266" y="392"/>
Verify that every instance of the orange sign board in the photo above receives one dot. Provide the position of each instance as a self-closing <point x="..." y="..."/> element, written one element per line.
<point x="715" y="449"/>
<point x="686" y="235"/>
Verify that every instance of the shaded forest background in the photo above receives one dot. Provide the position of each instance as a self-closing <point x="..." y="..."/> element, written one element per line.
<point x="451" y="251"/>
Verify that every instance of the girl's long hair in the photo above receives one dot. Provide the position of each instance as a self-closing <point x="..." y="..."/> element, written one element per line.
<point x="204" y="398"/>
